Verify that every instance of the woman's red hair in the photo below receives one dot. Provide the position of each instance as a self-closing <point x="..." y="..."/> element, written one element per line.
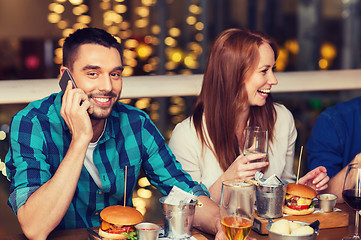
<point x="233" y="58"/>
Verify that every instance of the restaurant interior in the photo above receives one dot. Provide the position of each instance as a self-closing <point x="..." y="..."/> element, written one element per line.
<point x="173" y="37"/>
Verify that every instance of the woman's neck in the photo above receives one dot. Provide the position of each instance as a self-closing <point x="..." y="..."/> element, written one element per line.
<point x="242" y="123"/>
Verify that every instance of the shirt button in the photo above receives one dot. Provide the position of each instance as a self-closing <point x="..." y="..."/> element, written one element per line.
<point x="100" y="192"/>
<point x="96" y="213"/>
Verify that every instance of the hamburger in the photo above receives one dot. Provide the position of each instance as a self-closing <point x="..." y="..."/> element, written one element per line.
<point x="298" y="199"/>
<point x="118" y="222"/>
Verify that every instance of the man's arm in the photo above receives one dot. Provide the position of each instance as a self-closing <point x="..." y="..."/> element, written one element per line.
<point x="207" y="218"/>
<point x="46" y="207"/>
<point x="335" y="184"/>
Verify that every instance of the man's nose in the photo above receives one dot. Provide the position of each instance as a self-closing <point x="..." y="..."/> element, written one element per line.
<point x="105" y="84"/>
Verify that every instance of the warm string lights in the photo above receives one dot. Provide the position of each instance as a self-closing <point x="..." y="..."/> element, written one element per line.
<point x="290" y="49"/>
<point x="76" y="13"/>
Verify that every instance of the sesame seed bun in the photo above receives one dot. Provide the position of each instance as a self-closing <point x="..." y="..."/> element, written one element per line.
<point x="121" y="215"/>
<point x="300" y="190"/>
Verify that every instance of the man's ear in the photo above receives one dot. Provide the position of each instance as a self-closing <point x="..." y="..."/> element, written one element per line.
<point x="62" y="69"/>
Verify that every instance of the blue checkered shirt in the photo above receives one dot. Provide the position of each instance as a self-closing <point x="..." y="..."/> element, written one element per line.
<point x="40" y="138"/>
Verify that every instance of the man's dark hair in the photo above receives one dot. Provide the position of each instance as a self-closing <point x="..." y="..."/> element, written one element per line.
<point x="84" y="36"/>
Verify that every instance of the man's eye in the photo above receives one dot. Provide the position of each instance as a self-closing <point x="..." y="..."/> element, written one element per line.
<point x="93" y="74"/>
<point x="116" y="75"/>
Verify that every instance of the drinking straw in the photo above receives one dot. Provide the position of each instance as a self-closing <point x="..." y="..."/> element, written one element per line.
<point x="299" y="164"/>
<point x="125" y="184"/>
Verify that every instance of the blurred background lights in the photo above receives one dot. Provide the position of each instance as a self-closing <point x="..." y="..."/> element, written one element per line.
<point x="323" y="64"/>
<point x="143" y="51"/>
<point x="143" y="103"/>
<point x="105" y="5"/>
<point x="2" y="168"/>
<point x="169" y="41"/>
<point x="131" y="43"/>
<point x="144" y="193"/>
<point x="328" y="50"/>
<point x="174" y="32"/>
<point x="191" y="20"/>
<point x="54" y="17"/>
<point x="142" y="11"/>
<point x="119" y="8"/>
<point x="143" y="182"/>
<point x="76" y="2"/>
<point x="62" y="24"/>
<point x="84" y="19"/>
<point x="155" y="29"/>
<point x="292" y="46"/>
<point x="2" y="135"/>
<point x="199" y="26"/>
<point x="176" y="55"/>
<point x="139" y="204"/>
<point x="195" y="9"/>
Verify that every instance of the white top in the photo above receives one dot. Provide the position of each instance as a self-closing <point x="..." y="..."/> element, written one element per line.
<point x="204" y="168"/>
<point x="89" y="162"/>
<point x="90" y="166"/>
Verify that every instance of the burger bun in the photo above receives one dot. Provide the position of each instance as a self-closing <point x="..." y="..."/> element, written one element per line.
<point x="300" y="190"/>
<point x="121" y="215"/>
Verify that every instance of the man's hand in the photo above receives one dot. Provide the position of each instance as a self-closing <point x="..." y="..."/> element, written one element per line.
<point x="317" y="179"/>
<point x="75" y="110"/>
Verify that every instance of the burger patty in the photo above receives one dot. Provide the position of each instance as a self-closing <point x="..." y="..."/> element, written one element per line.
<point x="111" y="228"/>
<point x="292" y="200"/>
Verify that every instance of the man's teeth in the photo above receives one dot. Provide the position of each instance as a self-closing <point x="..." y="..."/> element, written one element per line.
<point x="103" y="100"/>
<point x="265" y="91"/>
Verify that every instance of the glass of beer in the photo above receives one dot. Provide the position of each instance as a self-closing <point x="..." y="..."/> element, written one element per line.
<point x="237" y="208"/>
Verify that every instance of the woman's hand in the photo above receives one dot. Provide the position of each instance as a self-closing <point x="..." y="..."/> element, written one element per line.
<point x="244" y="168"/>
<point x="316" y="179"/>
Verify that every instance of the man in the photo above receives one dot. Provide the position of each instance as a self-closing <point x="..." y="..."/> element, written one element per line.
<point x="335" y="142"/>
<point x="68" y="151"/>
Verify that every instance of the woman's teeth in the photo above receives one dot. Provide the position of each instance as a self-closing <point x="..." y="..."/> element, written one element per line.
<point x="264" y="91"/>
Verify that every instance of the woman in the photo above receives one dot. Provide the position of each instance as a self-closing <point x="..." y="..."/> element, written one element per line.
<point x="235" y="94"/>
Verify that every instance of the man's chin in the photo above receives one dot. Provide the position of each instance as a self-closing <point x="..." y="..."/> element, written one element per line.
<point x="99" y="116"/>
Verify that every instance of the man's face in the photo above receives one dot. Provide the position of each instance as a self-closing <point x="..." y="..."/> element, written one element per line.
<point x="97" y="70"/>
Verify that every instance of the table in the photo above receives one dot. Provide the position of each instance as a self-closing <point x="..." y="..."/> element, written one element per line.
<point x="325" y="234"/>
<point x="330" y="233"/>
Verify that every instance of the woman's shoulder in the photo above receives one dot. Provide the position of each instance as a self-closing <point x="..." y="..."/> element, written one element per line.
<point x="282" y="111"/>
<point x="186" y="124"/>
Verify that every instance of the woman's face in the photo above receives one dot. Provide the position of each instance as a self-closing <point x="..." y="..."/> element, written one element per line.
<point x="259" y="84"/>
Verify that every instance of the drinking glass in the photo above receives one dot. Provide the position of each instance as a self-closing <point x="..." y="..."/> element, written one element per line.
<point x="237" y="208"/>
<point x="351" y="193"/>
<point x="255" y="141"/>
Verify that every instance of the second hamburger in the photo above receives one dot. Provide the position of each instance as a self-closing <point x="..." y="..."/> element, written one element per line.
<point x="299" y="199"/>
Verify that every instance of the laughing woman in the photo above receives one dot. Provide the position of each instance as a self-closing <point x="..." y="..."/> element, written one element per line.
<point x="236" y="94"/>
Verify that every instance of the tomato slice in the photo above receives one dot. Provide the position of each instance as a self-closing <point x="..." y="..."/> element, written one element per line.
<point x="298" y="207"/>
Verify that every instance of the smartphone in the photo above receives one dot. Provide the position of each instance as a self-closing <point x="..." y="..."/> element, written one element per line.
<point x="63" y="82"/>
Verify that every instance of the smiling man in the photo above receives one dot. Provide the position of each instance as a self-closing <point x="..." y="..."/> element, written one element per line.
<point x="68" y="152"/>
